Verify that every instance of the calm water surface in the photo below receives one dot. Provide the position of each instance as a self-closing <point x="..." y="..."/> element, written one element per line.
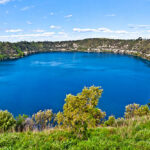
<point x="42" y="81"/>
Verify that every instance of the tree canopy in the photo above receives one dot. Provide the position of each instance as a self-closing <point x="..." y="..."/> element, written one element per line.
<point x="80" y="111"/>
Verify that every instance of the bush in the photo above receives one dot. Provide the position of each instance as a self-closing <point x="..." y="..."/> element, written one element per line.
<point x="20" y="122"/>
<point x="7" y="121"/>
<point x="29" y="124"/>
<point x="143" y="110"/>
<point x="43" y="118"/>
<point x="134" y="110"/>
<point x="59" y="118"/>
<point x="110" y="121"/>
<point x="120" y="122"/>
<point x="131" y="110"/>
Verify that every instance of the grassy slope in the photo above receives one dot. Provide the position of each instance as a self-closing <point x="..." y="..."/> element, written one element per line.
<point x="133" y="135"/>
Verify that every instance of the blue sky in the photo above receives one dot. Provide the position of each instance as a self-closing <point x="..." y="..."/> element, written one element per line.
<point x="55" y="20"/>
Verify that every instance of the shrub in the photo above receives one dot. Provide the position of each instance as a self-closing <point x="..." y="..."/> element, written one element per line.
<point x="20" y="122"/>
<point x="143" y="110"/>
<point x="110" y="121"/>
<point x="131" y="110"/>
<point x="59" y="118"/>
<point x="7" y="121"/>
<point x="29" y="124"/>
<point x="119" y="122"/>
<point x="43" y="118"/>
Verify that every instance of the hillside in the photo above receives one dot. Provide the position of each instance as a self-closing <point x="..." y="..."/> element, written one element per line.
<point x="81" y="126"/>
<point x="133" y="134"/>
<point x="137" y="47"/>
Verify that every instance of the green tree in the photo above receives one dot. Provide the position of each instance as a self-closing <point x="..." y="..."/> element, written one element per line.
<point x="80" y="112"/>
<point x="7" y="121"/>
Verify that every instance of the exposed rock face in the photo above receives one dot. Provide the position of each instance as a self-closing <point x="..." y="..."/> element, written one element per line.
<point x="138" y="47"/>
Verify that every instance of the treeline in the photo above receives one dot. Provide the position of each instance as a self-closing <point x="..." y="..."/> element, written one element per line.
<point x="80" y="112"/>
<point x="16" y="50"/>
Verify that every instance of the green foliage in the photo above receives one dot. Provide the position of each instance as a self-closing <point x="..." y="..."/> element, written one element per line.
<point x="110" y="121"/>
<point x="59" y="118"/>
<point x="81" y="116"/>
<point x="143" y="110"/>
<point x="3" y="56"/>
<point x="20" y="123"/>
<point x="20" y="53"/>
<point x="14" y="50"/>
<point x="134" y="110"/>
<point x="7" y="121"/>
<point x="80" y="111"/>
<point x="120" y="122"/>
<point x="131" y="110"/>
<point x="43" y="118"/>
<point x="132" y="137"/>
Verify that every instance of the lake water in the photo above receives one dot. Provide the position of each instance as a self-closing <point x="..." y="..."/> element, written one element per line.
<point x="42" y="81"/>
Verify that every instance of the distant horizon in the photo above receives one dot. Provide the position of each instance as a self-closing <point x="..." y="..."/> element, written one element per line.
<point x="77" y="40"/>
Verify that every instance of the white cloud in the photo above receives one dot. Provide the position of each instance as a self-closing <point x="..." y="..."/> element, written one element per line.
<point x="91" y="30"/>
<point x="29" y="22"/>
<point x="111" y="15"/>
<point x="51" y="13"/>
<point x="121" y="32"/>
<point x="84" y="30"/>
<point x="61" y="33"/>
<point x="132" y="26"/>
<point x="68" y="16"/>
<point x="106" y="30"/>
<point x="5" y="23"/>
<point x="14" y="30"/>
<point x="55" y="27"/>
<point x="26" y="8"/>
<point x="45" y="17"/>
<point x="45" y="34"/>
<point x="7" y="12"/>
<point x="38" y="31"/>
<point x="143" y="26"/>
<point x="4" y="1"/>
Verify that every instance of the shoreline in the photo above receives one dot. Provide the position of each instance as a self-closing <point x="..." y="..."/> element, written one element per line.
<point x="139" y="48"/>
<point x="121" y="52"/>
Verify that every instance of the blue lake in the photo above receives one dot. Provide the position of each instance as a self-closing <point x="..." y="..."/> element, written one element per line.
<point x="42" y="81"/>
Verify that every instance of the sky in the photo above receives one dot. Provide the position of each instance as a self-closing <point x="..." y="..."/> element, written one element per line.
<point x="59" y="20"/>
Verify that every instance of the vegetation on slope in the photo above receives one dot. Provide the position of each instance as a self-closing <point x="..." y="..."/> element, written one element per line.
<point x="81" y="126"/>
<point x="137" y="47"/>
<point x="133" y="134"/>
